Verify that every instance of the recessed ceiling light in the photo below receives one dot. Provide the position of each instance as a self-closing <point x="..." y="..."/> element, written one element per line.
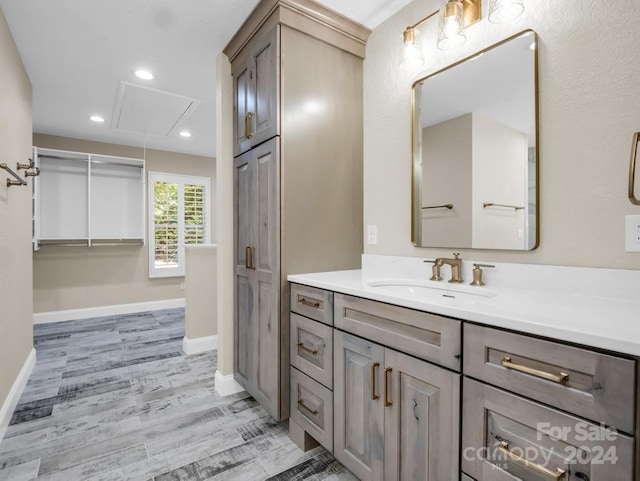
<point x="144" y="74"/>
<point x="96" y="118"/>
<point x="185" y="133"/>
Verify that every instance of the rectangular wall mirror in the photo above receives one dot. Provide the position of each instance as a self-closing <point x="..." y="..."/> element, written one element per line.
<point x="475" y="151"/>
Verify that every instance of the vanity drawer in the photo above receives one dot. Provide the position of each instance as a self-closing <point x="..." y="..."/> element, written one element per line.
<point x="427" y="336"/>
<point x="311" y="302"/>
<point x="312" y="407"/>
<point x="506" y="437"/>
<point x="586" y="383"/>
<point x="312" y="349"/>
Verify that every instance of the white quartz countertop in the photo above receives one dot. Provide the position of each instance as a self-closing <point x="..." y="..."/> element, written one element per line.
<point x="601" y="321"/>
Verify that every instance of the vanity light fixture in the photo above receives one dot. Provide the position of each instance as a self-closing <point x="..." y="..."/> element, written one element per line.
<point x="455" y="17"/>
<point x="501" y="11"/>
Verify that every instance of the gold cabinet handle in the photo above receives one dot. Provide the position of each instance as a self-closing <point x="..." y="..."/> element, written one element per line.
<point x="313" y="352"/>
<point x="247" y="257"/>
<point x="562" y="378"/>
<point x="387" y="402"/>
<point x="558" y="474"/>
<point x="247" y="125"/>
<point x="305" y="302"/>
<point x="374" y="366"/>
<point x="313" y="412"/>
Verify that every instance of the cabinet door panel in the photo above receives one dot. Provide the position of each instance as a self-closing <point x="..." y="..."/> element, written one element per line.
<point x="265" y="87"/>
<point x="421" y="423"/>
<point x="242" y="95"/>
<point x="244" y="200"/>
<point x="266" y="228"/>
<point x="359" y="419"/>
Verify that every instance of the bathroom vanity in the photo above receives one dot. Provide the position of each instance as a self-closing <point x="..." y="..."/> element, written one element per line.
<point x="403" y="378"/>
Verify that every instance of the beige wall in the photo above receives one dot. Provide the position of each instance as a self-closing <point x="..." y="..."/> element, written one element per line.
<point x="589" y="102"/>
<point x="200" y="296"/>
<point x="16" y="329"/>
<point x="80" y="277"/>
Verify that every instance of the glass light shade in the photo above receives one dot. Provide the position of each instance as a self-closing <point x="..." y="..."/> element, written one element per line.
<point x="501" y="11"/>
<point x="451" y="27"/>
<point x="412" y="53"/>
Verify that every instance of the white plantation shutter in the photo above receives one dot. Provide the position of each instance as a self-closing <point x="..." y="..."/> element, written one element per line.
<point x="178" y="216"/>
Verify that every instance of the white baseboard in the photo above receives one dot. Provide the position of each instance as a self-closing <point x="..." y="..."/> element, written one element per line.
<point x="199" y="344"/>
<point x="89" y="312"/>
<point x="226" y="385"/>
<point x="16" y="391"/>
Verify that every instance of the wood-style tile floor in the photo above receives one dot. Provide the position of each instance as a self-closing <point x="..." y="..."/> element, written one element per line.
<point x="115" y="398"/>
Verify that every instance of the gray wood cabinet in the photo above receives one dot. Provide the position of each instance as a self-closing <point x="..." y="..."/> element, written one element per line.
<point x="257" y="272"/>
<point x="297" y="125"/>
<point x="509" y="437"/>
<point x="255" y="81"/>
<point x="396" y="417"/>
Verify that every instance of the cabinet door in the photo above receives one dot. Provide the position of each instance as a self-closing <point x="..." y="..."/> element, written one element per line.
<point x="244" y="240"/>
<point x="421" y="420"/>
<point x="264" y="87"/>
<point x="358" y="406"/>
<point x="242" y="105"/>
<point x="266" y="266"/>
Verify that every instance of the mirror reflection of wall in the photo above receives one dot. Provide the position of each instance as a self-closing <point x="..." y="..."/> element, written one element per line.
<point x="475" y="153"/>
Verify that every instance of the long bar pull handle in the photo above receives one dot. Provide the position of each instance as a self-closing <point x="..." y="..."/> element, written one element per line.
<point x="387" y="402"/>
<point x="313" y="412"/>
<point x="247" y="257"/>
<point x="313" y="352"/>
<point x="562" y="378"/>
<point x="247" y="125"/>
<point x="558" y="474"/>
<point x="374" y="366"/>
<point x="305" y="302"/>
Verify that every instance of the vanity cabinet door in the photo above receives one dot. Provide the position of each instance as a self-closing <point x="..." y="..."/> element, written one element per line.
<point x="506" y="437"/>
<point x="421" y="420"/>
<point x="359" y="406"/>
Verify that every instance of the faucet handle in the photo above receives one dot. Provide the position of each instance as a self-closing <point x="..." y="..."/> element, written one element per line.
<point x="435" y="270"/>
<point x="477" y="274"/>
<point x="456" y="255"/>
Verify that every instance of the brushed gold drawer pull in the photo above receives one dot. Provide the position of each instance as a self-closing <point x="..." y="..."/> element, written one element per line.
<point x="374" y="366"/>
<point x="313" y="352"/>
<point x="247" y="257"/>
<point x="305" y="302"/>
<point x="387" y="401"/>
<point x="558" y="474"/>
<point x="313" y="412"/>
<point x="562" y="378"/>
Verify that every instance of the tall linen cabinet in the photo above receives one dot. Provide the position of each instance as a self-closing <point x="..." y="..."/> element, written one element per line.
<point x="297" y="76"/>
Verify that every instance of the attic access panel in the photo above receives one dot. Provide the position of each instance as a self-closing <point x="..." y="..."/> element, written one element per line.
<point x="151" y="111"/>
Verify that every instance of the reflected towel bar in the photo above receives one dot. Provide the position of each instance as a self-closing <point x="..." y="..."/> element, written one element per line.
<point x="491" y="204"/>
<point x="19" y="180"/>
<point x="445" y="206"/>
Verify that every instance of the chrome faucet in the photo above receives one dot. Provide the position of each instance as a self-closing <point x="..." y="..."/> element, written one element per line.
<point x="456" y="267"/>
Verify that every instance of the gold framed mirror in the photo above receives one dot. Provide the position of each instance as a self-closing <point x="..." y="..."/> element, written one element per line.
<point x="634" y="174"/>
<point x="476" y="150"/>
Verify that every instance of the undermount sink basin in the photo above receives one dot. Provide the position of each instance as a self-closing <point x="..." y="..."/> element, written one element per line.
<point x="428" y="290"/>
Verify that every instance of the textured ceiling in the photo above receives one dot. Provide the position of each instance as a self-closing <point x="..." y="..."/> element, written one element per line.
<point x="77" y="52"/>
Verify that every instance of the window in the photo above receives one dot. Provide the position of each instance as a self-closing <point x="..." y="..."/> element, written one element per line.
<point x="178" y="216"/>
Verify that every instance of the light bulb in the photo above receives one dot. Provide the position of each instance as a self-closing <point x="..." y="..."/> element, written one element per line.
<point x="412" y="48"/>
<point x="451" y="27"/>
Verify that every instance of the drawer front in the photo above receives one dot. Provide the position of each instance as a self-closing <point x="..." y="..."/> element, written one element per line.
<point x="312" y="407"/>
<point x="311" y="302"/>
<point x="427" y="336"/>
<point x="586" y="383"/>
<point x="464" y="477"/>
<point x="312" y="349"/>
<point x="506" y="437"/>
